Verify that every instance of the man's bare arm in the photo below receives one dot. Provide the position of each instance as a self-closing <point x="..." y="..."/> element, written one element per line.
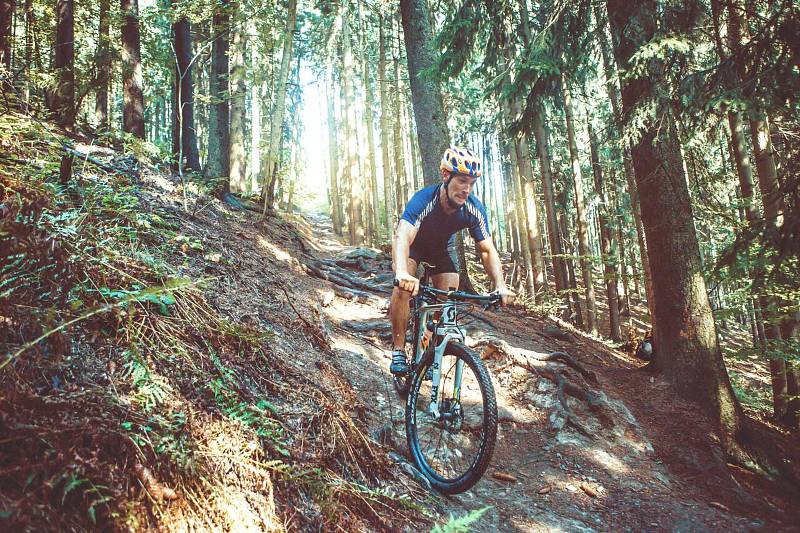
<point x="404" y="235"/>
<point x="494" y="269"/>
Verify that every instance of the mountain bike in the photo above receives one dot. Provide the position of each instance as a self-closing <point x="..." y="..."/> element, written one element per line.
<point x="451" y="412"/>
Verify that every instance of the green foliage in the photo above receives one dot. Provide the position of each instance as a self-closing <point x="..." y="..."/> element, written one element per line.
<point x="225" y="390"/>
<point x="151" y="390"/>
<point x="461" y="524"/>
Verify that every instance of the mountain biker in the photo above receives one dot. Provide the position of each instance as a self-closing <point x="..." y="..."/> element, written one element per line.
<point x="426" y="232"/>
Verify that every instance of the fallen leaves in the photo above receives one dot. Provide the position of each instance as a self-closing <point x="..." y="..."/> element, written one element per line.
<point x="503" y="476"/>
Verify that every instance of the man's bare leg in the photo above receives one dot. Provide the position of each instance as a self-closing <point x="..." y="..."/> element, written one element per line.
<point x="398" y="311"/>
<point x="445" y="281"/>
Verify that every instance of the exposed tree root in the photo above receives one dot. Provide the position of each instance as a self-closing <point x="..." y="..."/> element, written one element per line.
<point x="545" y="368"/>
<point x="325" y="270"/>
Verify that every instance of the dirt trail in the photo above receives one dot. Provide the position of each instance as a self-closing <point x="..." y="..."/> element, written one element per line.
<point x="648" y="466"/>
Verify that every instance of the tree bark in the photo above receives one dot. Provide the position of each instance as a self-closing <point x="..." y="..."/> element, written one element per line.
<point x="369" y="124"/>
<point x="333" y="152"/>
<point x="685" y="334"/>
<point x="270" y="164"/>
<point x="580" y="217"/>
<point x="63" y="101"/>
<point x="351" y="129"/>
<point x="556" y="247"/>
<point x="184" y="142"/>
<point x="572" y="282"/>
<point x="219" y="128"/>
<point x="133" y="97"/>
<point x="521" y="221"/>
<point x="6" y="17"/>
<point x="399" y="159"/>
<point x="432" y="132"/>
<point x="236" y="153"/>
<point x="385" y="133"/>
<point x="607" y="247"/>
<point x="616" y="101"/>
<point x="103" y="66"/>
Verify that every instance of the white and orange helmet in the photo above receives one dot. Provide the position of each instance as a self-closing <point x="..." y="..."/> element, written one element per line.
<point x="462" y="161"/>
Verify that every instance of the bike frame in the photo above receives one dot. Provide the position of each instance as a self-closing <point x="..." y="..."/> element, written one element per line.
<point x="446" y="330"/>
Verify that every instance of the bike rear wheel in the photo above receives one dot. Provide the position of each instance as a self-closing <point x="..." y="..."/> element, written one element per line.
<point x="454" y="450"/>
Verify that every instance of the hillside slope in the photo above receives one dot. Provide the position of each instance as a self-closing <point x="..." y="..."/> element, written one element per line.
<point x="187" y="369"/>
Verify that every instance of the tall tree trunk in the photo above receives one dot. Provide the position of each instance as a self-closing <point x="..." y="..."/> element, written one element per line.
<point x="572" y="282"/>
<point x="354" y="177"/>
<point x="103" y="66"/>
<point x="766" y="170"/>
<point x="333" y="152"/>
<point x="185" y="141"/>
<point x="432" y="133"/>
<point x="609" y="67"/>
<point x="6" y="17"/>
<point x="133" y="98"/>
<point x="685" y="334"/>
<point x="219" y="128"/>
<point x="399" y="158"/>
<point x="556" y="247"/>
<point x="64" y="92"/>
<point x="607" y="247"/>
<point x="520" y="218"/>
<point x="385" y="133"/>
<point x="580" y="217"/>
<point x="270" y="166"/>
<point x="237" y="154"/>
<point x="369" y="125"/>
<point x="773" y="217"/>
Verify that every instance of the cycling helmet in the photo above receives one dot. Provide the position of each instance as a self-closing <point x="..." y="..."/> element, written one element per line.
<point x="461" y="160"/>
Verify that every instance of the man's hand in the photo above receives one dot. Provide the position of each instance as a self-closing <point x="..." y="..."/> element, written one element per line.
<point x="407" y="282"/>
<point x="507" y="297"/>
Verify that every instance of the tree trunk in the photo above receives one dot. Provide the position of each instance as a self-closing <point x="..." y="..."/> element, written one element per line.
<point x="333" y="152"/>
<point x="607" y="247"/>
<point x="580" y="217"/>
<point x="63" y="100"/>
<point x="219" y="128"/>
<point x="369" y="123"/>
<point x="270" y="163"/>
<point x="237" y="154"/>
<point x="133" y="98"/>
<point x="572" y="282"/>
<point x="432" y="133"/>
<point x="185" y="141"/>
<point x="103" y="67"/>
<point x="556" y="247"/>
<point x="6" y="17"/>
<point x="685" y="334"/>
<point x="351" y="129"/>
<point x="399" y="158"/>
<point x="616" y="101"/>
<point x="521" y="223"/>
<point x="385" y="133"/>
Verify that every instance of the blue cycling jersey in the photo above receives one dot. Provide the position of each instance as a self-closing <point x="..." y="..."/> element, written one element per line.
<point x="435" y="229"/>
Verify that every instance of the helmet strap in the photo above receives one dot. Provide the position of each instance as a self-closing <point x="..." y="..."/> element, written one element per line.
<point x="450" y="203"/>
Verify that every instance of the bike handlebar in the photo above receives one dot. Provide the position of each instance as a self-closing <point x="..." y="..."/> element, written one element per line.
<point x="490" y="299"/>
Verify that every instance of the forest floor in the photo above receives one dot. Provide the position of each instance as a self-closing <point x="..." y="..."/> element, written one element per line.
<point x="655" y="467"/>
<point x="252" y="400"/>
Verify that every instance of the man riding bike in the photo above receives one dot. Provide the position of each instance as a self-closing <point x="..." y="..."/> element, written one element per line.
<point x="426" y="232"/>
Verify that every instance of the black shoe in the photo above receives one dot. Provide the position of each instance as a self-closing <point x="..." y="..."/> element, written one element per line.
<point x="399" y="364"/>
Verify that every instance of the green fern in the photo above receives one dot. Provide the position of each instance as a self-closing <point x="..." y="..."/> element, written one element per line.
<point x="461" y="524"/>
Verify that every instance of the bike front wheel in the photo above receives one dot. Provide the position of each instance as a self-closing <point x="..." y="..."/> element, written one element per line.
<point x="452" y="448"/>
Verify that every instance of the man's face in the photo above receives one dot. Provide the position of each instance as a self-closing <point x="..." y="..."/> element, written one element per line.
<point x="460" y="187"/>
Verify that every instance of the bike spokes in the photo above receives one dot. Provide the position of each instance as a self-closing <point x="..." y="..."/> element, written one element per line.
<point x="451" y="441"/>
